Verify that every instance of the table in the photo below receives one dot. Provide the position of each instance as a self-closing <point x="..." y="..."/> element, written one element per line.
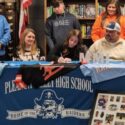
<point x="68" y="99"/>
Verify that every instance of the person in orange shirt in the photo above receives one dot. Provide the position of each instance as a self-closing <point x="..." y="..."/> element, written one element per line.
<point x="112" y="13"/>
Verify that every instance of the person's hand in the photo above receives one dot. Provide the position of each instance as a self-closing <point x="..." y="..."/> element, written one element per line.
<point x="67" y="60"/>
<point x="42" y="58"/>
<point x="61" y="60"/>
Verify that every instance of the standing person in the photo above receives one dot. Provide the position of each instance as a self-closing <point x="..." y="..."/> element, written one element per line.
<point x="111" y="45"/>
<point x="58" y="26"/>
<point x="72" y="47"/>
<point x="5" y="36"/>
<point x="112" y="13"/>
<point x="28" y="47"/>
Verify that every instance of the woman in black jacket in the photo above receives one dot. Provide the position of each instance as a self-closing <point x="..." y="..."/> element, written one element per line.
<point x="72" y="47"/>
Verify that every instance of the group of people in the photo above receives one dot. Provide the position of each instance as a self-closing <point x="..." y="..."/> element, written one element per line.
<point x="108" y="33"/>
<point x="64" y="40"/>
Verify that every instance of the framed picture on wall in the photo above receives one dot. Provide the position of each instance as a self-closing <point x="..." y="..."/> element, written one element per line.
<point x="109" y="109"/>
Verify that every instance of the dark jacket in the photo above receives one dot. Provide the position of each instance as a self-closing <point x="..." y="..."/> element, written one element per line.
<point x="66" y="52"/>
<point x="73" y="53"/>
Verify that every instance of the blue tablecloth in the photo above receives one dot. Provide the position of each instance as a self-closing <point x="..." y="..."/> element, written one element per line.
<point x="61" y="101"/>
<point x="66" y="100"/>
<point x="103" y="72"/>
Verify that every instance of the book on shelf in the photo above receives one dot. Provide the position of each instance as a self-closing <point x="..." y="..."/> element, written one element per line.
<point x="90" y="11"/>
<point x="49" y="11"/>
<point x="81" y="10"/>
<point x="73" y="8"/>
<point x="100" y="9"/>
<point x="86" y="30"/>
<point x="83" y="30"/>
<point x="123" y="9"/>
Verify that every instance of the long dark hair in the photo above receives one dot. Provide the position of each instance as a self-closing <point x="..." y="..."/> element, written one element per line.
<point x="79" y="47"/>
<point x="118" y="11"/>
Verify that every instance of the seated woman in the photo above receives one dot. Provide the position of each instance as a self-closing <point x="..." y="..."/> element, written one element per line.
<point x="28" y="49"/>
<point x="72" y="47"/>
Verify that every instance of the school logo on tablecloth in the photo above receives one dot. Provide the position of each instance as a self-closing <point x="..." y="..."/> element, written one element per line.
<point x="48" y="106"/>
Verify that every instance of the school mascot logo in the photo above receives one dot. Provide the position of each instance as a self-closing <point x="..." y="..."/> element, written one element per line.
<point x="48" y="105"/>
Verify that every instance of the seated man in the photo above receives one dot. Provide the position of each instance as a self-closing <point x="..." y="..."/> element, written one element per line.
<point x="111" y="45"/>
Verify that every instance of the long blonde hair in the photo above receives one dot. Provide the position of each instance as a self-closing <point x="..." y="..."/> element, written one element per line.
<point x="22" y="42"/>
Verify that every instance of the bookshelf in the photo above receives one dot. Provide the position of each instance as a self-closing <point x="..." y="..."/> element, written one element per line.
<point x="8" y="8"/>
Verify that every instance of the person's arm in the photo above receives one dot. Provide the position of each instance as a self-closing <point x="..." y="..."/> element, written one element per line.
<point x="122" y="24"/>
<point x="76" y="24"/>
<point x="5" y="32"/>
<point x="48" y="32"/>
<point x="16" y="55"/>
<point x="90" y="53"/>
<point x="61" y="59"/>
<point x="96" y="29"/>
<point x="41" y="55"/>
<point x="83" y="48"/>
